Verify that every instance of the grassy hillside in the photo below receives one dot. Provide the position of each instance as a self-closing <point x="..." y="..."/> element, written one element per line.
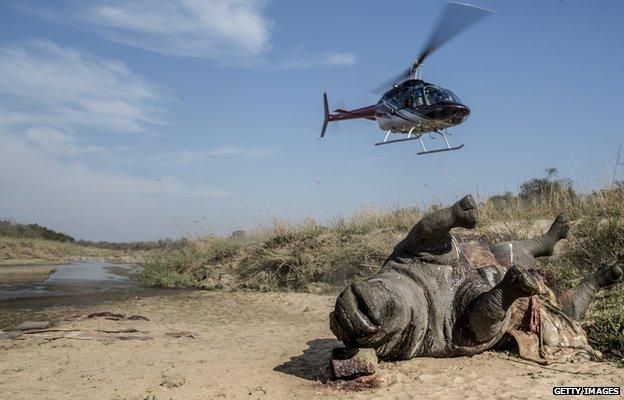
<point x="322" y="258"/>
<point x="31" y="231"/>
<point x="35" y="244"/>
<point x="19" y="251"/>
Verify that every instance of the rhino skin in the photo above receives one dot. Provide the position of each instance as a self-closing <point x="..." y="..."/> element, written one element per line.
<point x="435" y="297"/>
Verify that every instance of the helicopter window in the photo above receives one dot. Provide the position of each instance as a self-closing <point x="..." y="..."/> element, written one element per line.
<point x="391" y="93"/>
<point x="418" y="98"/>
<point x="437" y="95"/>
<point x="411" y="98"/>
<point x="454" y="96"/>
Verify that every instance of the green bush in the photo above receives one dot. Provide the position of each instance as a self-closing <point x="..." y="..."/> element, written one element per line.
<point x="537" y="188"/>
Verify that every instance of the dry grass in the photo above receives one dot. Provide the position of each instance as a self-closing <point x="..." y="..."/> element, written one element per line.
<point x="307" y="255"/>
<point x="14" y="251"/>
<point x="302" y="256"/>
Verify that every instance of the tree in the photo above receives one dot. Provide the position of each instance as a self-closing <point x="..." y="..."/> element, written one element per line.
<point x="547" y="186"/>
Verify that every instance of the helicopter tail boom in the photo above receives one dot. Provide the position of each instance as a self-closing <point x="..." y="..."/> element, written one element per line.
<point x="340" y="114"/>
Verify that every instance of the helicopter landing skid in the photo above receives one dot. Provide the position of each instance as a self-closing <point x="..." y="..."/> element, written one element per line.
<point x="419" y="138"/>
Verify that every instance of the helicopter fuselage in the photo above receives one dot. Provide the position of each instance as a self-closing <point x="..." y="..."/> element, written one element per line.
<point x="412" y="107"/>
<point x="418" y="107"/>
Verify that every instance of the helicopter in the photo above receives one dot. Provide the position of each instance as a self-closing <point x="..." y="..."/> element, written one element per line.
<point x="412" y="106"/>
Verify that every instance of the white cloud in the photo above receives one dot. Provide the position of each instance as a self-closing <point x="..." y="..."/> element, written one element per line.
<point x="347" y="59"/>
<point x="300" y="60"/>
<point x="231" y="31"/>
<point x="64" y="88"/>
<point x="236" y="151"/>
<point x="195" y="28"/>
<point x="52" y="101"/>
<point x="60" y="143"/>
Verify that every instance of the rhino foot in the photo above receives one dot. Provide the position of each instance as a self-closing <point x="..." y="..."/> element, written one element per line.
<point x="544" y="246"/>
<point x="608" y="275"/>
<point x="430" y="234"/>
<point x="576" y="300"/>
<point x="465" y="212"/>
<point x="560" y="227"/>
<point x="525" y="251"/>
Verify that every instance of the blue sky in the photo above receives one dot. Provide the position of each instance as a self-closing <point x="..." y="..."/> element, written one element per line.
<point x="140" y="120"/>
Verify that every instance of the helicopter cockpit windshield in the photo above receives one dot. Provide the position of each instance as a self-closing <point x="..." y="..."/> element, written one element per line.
<point x="438" y="95"/>
<point x="412" y="98"/>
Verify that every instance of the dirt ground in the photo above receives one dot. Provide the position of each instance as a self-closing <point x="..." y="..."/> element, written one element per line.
<point x="251" y="346"/>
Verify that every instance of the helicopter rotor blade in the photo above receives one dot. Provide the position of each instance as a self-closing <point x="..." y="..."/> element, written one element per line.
<point x="385" y="85"/>
<point x="455" y="19"/>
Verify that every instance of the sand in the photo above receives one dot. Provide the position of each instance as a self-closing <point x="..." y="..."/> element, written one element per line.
<point x="252" y="346"/>
<point x="25" y="273"/>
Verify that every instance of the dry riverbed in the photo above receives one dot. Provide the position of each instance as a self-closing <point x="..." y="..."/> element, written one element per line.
<point x="245" y="346"/>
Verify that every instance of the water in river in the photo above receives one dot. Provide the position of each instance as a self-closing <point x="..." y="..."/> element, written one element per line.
<point x="72" y="285"/>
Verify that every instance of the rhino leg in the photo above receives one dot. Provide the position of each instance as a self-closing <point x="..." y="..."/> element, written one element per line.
<point x="525" y="251"/>
<point x="431" y="232"/>
<point x="487" y="314"/>
<point x="576" y="300"/>
<point x="544" y="246"/>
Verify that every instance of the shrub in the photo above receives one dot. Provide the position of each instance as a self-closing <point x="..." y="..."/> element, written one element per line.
<point x="550" y="185"/>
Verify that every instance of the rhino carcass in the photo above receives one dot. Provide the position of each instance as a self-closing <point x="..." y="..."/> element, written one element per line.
<point x="439" y="298"/>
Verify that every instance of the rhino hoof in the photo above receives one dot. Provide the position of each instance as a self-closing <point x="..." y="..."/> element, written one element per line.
<point x="560" y="227"/>
<point x="465" y="212"/>
<point x="608" y="274"/>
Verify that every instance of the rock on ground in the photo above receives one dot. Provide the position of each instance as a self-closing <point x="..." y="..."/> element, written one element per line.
<point x="351" y="363"/>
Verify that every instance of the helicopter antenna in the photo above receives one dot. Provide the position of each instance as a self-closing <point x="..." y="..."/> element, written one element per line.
<point x="455" y="19"/>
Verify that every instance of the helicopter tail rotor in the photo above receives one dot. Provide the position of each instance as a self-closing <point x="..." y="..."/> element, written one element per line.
<point x="326" y="120"/>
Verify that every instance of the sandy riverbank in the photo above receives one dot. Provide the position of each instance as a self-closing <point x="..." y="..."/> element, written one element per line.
<point x="25" y="273"/>
<point x="250" y="346"/>
<point x="30" y="262"/>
